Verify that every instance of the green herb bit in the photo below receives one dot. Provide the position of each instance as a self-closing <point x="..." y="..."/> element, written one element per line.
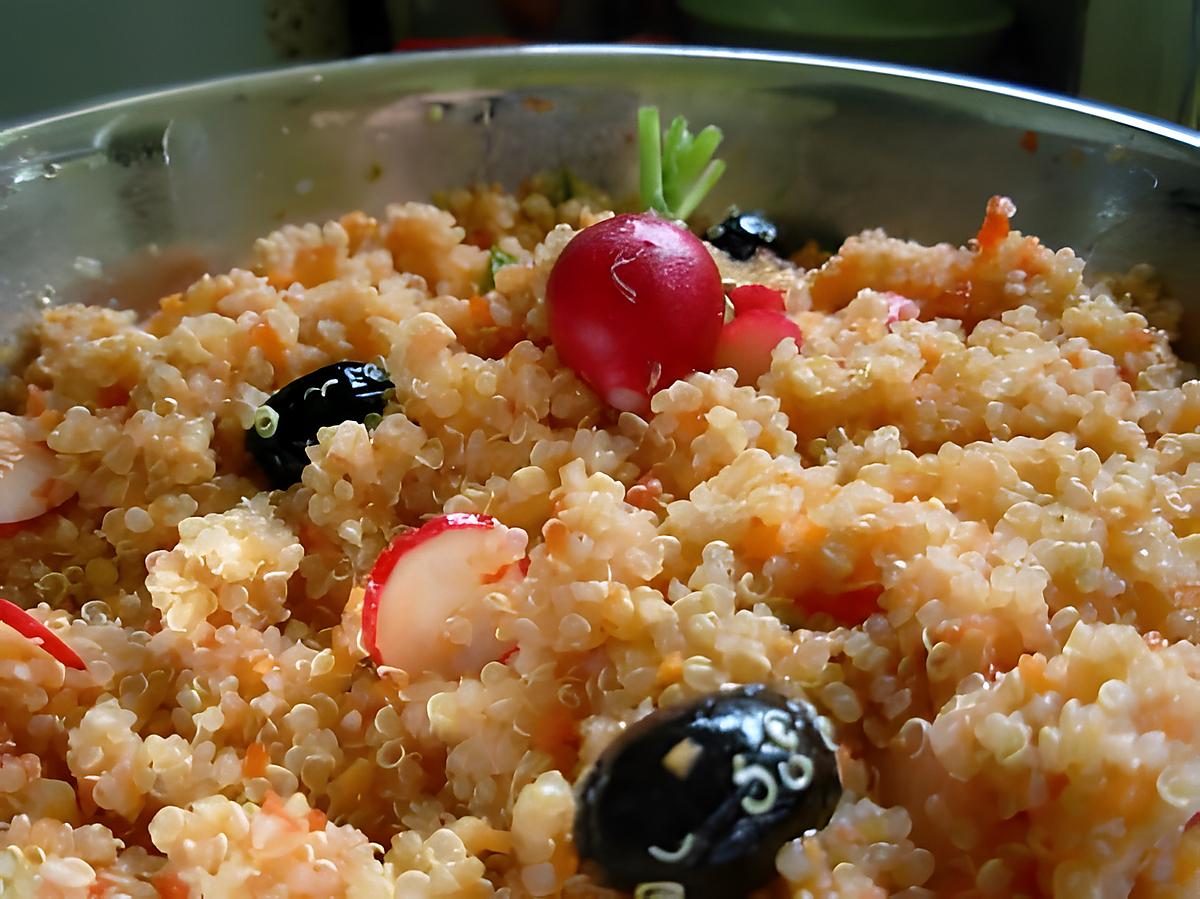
<point x="677" y="169"/>
<point x="372" y="420"/>
<point x="498" y="259"/>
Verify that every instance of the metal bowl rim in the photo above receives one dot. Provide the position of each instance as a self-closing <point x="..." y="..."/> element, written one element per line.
<point x="292" y="74"/>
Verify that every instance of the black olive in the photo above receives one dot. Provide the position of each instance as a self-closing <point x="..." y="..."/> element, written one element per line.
<point x="704" y="794"/>
<point x="288" y="421"/>
<point x="742" y="233"/>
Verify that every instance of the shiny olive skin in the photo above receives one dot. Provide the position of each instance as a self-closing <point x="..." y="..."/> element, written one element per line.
<point x="742" y="233"/>
<point x="755" y="770"/>
<point x="343" y="391"/>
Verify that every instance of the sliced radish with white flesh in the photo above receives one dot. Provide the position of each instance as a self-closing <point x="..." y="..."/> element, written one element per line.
<point x="425" y="607"/>
<point x="30" y="475"/>
<point x="36" y="632"/>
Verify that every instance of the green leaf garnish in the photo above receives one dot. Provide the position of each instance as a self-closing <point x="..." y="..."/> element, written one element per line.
<point x="497" y="260"/>
<point x="677" y="168"/>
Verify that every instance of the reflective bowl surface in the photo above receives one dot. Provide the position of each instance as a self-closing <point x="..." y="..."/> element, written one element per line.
<point x="136" y="197"/>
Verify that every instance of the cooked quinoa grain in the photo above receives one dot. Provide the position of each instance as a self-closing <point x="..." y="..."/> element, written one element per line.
<point x="970" y="539"/>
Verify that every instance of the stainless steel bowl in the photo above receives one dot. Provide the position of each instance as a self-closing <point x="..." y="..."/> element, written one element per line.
<point x="128" y="198"/>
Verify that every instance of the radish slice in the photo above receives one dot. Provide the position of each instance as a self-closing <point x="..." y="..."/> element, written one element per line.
<point x="36" y="632"/>
<point x="30" y="475"/>
<point x="756" y="296"/>
<point x="747" y="341"/>
<point x="901" y="308"/>
<point x="424" y="608"/>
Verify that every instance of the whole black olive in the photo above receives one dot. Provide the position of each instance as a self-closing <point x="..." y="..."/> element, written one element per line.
<point x="288" y="422"/>
<point x="742" y="233"/>
<point x="703" y="795"/>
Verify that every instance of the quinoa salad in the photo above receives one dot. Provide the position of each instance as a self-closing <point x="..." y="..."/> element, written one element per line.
<point x="507" y="546"/>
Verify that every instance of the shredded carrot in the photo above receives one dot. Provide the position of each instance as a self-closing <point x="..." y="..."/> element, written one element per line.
<point x="810" y="255"/>
<point x="504" y="571"/>
<point x="497" y="342"/>
<point x="557" y="735"/>
<point x="255" y="762"/>
<point x="761" y="541"/>
<point x="316" y="819"/>
<point x="112" y="395"/>
<point x="272" y="804"/>
<point x="481" y="312"/>
<point x="267" y="339"/>
<point x="995" y="224"/>
<point x="170" y="886"/>
<point x="480" y="237"/>
<point x="670" y="669"/>
<point x="850" y="608"/>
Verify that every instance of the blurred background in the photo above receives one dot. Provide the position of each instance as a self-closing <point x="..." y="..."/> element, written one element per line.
<point x="1140" y="54"/>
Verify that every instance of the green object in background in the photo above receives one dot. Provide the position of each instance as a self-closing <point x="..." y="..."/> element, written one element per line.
<point x="938" y="33"/>
<point x="1145" y="56"/>
<point x="56" y="53"/>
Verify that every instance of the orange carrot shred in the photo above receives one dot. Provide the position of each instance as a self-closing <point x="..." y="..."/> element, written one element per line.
<point x="255" y="762"/>
<point x="112" y="395"/>
<point x="850" y="608"/>
<point x="557" y="735"/>
<point x="995" y="224"/>
<point x="316" y="819"/>
<point x="670" y="669"/>
<point x="170" y="886"/>
<point x="272" y="804"/>
<point x="267" y="339"/>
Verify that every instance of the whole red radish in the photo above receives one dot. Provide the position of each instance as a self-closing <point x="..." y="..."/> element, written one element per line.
<point x="635" y="303"/>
